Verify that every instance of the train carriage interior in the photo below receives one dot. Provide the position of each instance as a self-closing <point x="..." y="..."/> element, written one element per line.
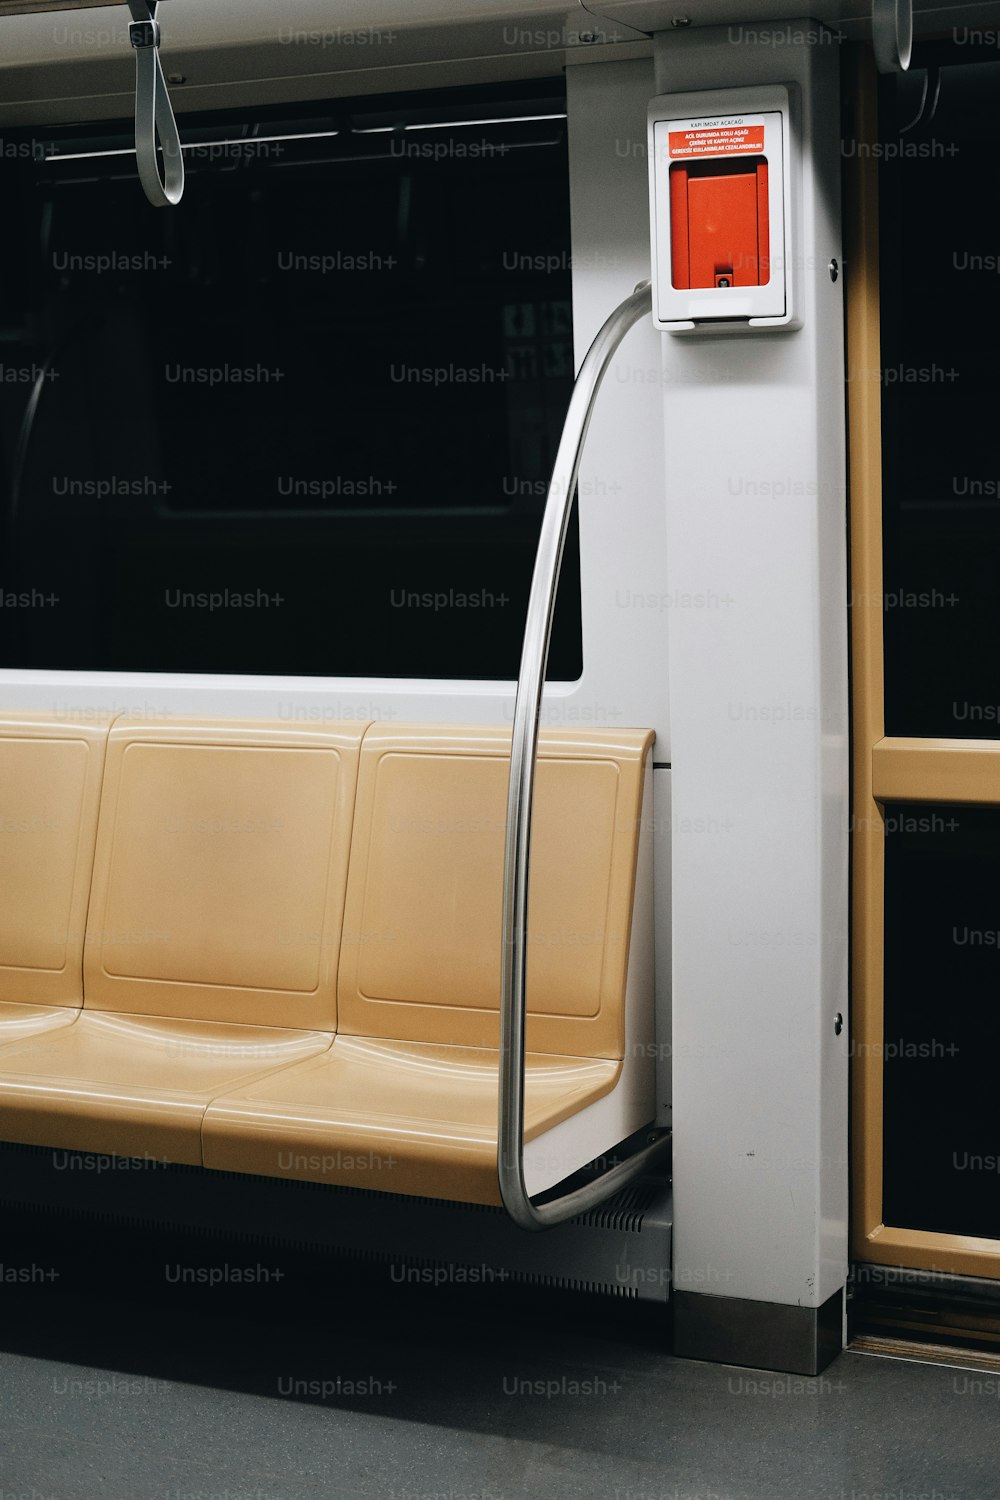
<point x="498" y="607"/>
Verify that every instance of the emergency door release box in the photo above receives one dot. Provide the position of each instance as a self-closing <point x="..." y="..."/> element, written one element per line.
<point x="720" y="181"/>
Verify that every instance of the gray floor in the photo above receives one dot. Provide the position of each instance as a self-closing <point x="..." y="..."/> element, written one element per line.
<point x="487" y="1413"/>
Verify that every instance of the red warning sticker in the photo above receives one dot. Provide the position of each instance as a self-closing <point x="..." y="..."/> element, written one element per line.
<point x="717" y="140"/>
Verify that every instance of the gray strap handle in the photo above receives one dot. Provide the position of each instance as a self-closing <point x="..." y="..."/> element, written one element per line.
<point x="154" y="114"/>
<point x="892" y="34"/>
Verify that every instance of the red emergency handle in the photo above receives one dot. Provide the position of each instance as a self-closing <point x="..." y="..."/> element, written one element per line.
<point x="719" y="234"/>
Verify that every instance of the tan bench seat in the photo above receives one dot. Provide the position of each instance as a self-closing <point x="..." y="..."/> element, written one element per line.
<point x="18" y="1021"/>
<point x="400" y="1117"/>
<point x="212" y="937"/>
<point x="135" y="1086"/>
<point x="406" y="1098"/>
<point x="292" y="958"/>
<point x="50" y="790"/>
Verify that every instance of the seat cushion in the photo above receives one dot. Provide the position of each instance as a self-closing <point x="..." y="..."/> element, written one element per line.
<point x="420" y="958"/>
<point x="220" y="872"/>
<point x="50" y="790"/>
<point x="134" y="1086"/>
<point x="20" y="1021"/>
<point x="397" y="1117"/>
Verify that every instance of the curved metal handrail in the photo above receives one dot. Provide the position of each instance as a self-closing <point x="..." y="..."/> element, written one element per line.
<point x="520" y="796"/>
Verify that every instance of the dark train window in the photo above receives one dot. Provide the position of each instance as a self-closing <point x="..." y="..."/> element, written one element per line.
<point x="303" y="423"/>
<point x="942" y="1022"/>
<point x="940" y="291"/>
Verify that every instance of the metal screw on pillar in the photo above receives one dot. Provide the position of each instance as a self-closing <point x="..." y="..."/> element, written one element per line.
<point x="834" y="269"/>
<point x="838" y="1024"/>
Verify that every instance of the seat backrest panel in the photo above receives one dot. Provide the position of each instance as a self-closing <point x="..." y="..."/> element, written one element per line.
<point x="50" y="789"/>
<point x="221" y="870"/>
<point x="421" y="949"/>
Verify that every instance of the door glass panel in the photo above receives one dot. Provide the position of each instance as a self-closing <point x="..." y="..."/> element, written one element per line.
<point x="940" y="290"/>
<point x="941" y="1048"/>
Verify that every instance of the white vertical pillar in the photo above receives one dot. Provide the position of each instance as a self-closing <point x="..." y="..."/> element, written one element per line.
<point x="756" y="506"/>
<point x="622" y="510"/>
<point x="627" y="605"/>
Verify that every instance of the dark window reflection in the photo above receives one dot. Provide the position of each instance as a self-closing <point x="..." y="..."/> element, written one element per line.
<point x="303" y="423"/>
<point x="940" y="252"/>
<point x="942" y="1020"/>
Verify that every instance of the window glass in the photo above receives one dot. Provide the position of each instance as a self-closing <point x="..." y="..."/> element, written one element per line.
<point x="302" y="423"/>
<point x="940" y="397"/>
<point x="942" y="1021"/>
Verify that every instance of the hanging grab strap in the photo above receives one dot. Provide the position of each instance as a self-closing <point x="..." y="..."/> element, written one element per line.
<point x="892" y="34"/>
<point x="154" y="114"/>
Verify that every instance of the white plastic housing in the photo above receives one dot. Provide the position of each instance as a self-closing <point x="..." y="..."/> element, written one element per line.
<point x="726" y="120"/>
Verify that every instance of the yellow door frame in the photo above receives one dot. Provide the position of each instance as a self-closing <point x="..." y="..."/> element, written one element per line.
<point x="885" y="769"/>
